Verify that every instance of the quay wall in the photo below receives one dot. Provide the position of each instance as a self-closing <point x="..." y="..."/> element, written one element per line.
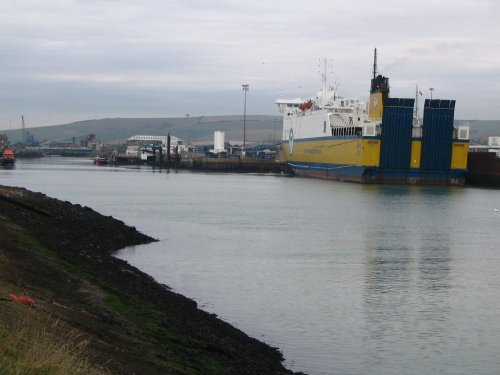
<point x="207" y="164"/>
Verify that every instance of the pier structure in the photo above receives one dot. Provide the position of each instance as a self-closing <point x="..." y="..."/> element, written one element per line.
<point x="207" y="164"/>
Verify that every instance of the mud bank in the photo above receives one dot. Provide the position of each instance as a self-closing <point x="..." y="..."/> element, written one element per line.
<point x="60" y="255"/>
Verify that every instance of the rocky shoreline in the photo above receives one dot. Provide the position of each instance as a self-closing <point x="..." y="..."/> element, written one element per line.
<point x="60" y="255"/>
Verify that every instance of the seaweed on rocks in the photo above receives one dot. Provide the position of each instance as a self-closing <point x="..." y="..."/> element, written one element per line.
<point x="61" y="255"/>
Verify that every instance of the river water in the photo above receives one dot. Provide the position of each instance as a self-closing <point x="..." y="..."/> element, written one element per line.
<point x="343" y="278"/>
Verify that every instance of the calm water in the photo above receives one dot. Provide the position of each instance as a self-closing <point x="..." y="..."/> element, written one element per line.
<point x="343" y="278"/>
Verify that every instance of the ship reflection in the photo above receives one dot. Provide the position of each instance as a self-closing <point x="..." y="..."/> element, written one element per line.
<point x="407" y="267"/>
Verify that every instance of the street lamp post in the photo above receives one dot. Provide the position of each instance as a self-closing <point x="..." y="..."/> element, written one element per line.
<point x="187" y="124"/>
<point x="274" y="134"/>
<point x="245" y="89"/>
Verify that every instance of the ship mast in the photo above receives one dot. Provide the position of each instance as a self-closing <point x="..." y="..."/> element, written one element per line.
<point x="415" y="116"/>
<point x="375" y="64"/>
<point x="324" y="86"/>
<point x="416" y="101"/>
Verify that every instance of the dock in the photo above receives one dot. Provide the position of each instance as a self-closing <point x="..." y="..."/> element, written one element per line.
<point x="211" y="164"/>
<point x="238" y="165"/>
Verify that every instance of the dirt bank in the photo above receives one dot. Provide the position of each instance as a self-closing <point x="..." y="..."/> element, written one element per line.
<point x="59" y="254"/>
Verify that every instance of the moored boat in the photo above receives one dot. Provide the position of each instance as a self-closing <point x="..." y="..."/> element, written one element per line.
<point x="334" y="137"/>
<point x="100" y="160"/>
<point x="8" y="158"/>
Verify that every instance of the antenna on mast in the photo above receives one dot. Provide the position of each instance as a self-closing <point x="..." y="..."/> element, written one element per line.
<point x="324" y="87"/>
<point x="375" y="64"/>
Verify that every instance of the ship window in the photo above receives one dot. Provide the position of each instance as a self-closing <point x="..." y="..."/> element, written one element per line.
<point x="324" y="126"/>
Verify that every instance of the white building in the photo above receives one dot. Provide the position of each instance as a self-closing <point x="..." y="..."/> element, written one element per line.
<point x="219" y="137"/>
<point x="142" y="145"/>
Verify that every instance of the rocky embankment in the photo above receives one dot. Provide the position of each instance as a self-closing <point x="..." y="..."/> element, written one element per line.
<point x="60" y="255"/>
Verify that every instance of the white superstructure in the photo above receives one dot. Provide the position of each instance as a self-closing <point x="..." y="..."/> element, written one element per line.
<point x="326" y="114"/>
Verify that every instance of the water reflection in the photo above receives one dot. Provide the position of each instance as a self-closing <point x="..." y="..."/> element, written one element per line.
<point x="343" y="278"/>
<point x="407" y="275"/>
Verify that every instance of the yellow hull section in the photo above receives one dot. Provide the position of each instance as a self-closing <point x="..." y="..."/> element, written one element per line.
<point x="416" y="152"/>
<point x="376" y="107"/>
<point x="459" y="153"/>
<point x="359" y="152"/>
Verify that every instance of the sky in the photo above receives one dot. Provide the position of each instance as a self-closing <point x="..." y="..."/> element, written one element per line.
<point x="71" y="60"/>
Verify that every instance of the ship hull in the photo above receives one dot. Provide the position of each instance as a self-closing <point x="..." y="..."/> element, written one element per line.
<point x="356" y="160"/>
<point x="7" y="162"/>
<point x="369" y="175"/>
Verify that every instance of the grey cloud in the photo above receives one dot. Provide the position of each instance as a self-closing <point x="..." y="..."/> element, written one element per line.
<point x="105" y="57"/>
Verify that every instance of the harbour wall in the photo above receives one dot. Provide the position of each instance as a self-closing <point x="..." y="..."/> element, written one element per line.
<point x="211" y="164"/>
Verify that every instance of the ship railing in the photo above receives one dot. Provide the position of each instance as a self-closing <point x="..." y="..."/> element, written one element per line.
<point x="339" y="110"/>
<point x="346" y="131"/>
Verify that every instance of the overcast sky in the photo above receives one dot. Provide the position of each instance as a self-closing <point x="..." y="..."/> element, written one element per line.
<point x="70" y="60"/>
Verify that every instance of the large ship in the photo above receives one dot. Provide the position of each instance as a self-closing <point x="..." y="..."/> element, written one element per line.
<point x="334" y="137"/>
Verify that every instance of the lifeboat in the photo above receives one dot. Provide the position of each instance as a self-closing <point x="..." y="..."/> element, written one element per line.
<point x="8" y="158"/>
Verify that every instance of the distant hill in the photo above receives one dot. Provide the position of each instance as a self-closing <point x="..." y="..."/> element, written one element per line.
<point x="480" y="130"/>
<point x="259" y="129"/>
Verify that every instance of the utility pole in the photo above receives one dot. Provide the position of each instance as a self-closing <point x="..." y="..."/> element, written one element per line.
<point x="24" y="131"/>
<point x="245" y="89"/>
<point x="187" y="123"/>
<point x="274" y="135"/>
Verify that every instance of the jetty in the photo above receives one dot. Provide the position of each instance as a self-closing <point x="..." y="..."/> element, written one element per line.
<point x="209" y="164"/>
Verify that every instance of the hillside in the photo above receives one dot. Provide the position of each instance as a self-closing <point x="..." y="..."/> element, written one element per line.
<point x="259" y="129"/>
<point x="480" y="130"/>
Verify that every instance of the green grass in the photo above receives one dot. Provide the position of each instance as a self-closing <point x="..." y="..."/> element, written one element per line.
<point x="143" y="315"/>
<point x="34" y="344"/>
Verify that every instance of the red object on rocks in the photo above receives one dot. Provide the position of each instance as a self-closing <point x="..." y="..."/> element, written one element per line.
<point x="22" y="299"/>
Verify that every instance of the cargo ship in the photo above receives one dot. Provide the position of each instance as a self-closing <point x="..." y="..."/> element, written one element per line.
<point x="8" y="159"/>
<point x="333" y="137"/>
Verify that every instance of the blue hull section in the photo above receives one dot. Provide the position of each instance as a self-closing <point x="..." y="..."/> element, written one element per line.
<point x="371" y="175"/>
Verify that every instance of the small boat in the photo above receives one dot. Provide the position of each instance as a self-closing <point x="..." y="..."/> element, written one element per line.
<point x="8" y="159"/>
<point x="100" y="160"/>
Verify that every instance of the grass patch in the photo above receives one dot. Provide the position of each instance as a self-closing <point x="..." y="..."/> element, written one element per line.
<point x="141" y="314"/>
<point x="33" y="344"/>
